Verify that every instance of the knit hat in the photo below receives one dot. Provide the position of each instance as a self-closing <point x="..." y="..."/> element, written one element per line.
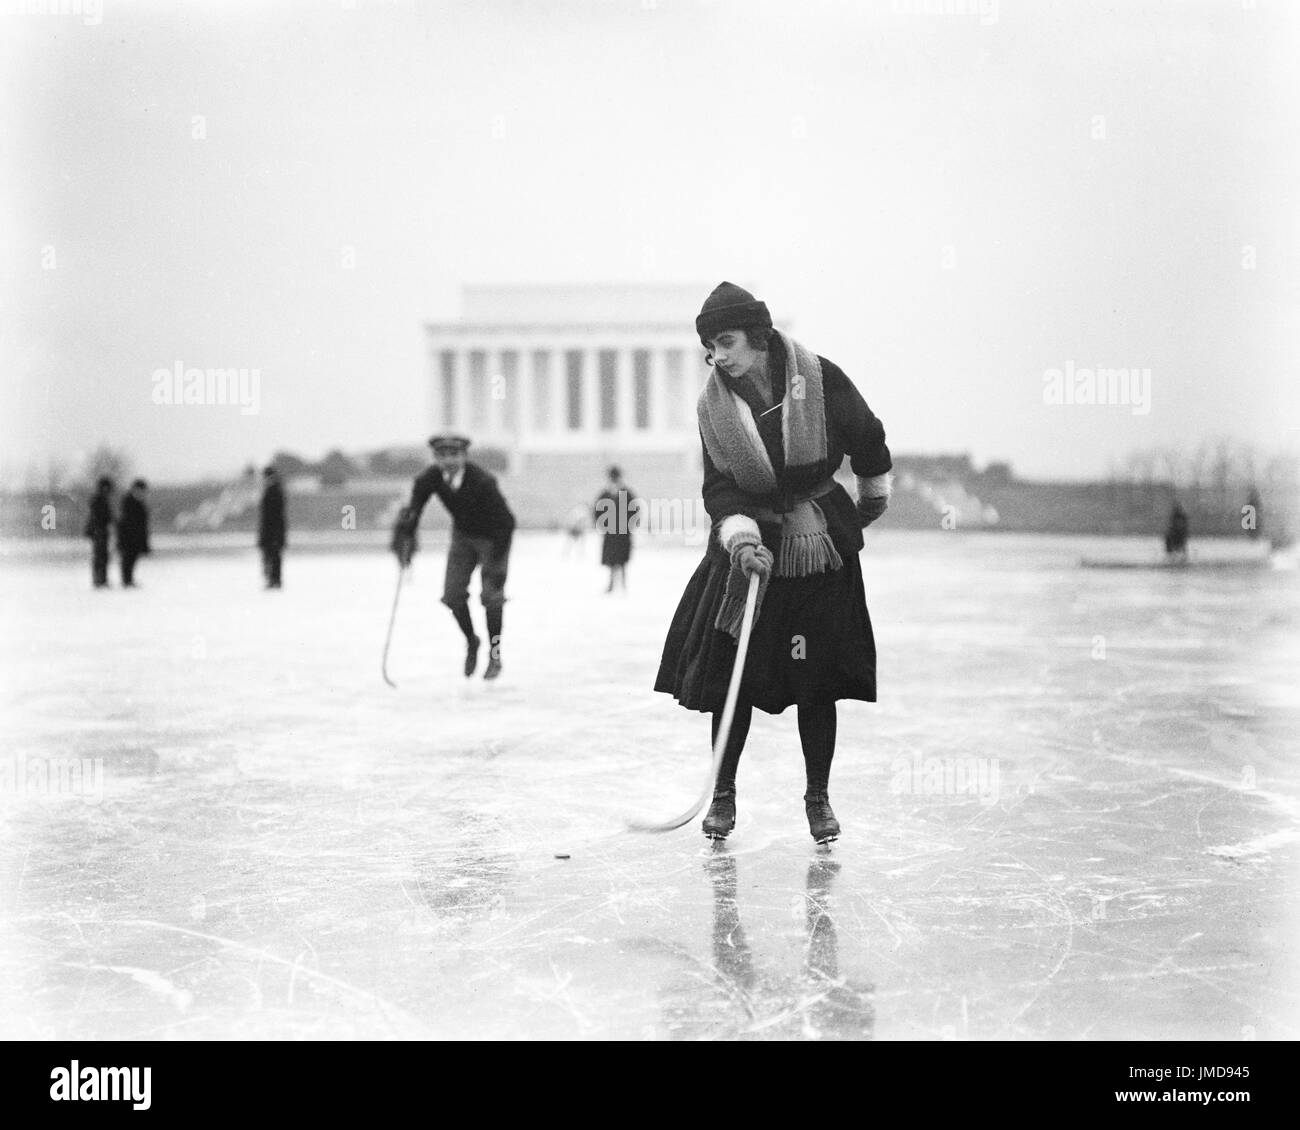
<point x="730" y="307"/>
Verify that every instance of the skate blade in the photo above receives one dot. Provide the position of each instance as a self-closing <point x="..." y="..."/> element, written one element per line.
<point x="828" y="839"/>
<point x="716" y="835"/>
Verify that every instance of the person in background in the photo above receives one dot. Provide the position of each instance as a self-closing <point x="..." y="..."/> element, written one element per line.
<point x="133" y="530"/>
<point x="1176" y="535"/>
<point x="272" y="526"/>
<point x="481" y="533"/>
<point x="615" y="511"/>
<point x="99" y="524"/>
<point x="575" y="529"/>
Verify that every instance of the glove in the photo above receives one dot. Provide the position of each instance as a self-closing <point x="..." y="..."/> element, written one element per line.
<point x="404" y="540"/>
<point x="869" y="509"/>
<point x="749" y="558"/>
<point x="752" y="558"/>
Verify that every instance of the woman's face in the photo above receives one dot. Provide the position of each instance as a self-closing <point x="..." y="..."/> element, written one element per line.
<point x="732" y="354"/>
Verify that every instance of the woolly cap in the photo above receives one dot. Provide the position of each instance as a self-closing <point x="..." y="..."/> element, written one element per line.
<point x="730" y="307"/>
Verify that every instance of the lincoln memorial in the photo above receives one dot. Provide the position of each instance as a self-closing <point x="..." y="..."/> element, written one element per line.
<point x="568" y="379"/>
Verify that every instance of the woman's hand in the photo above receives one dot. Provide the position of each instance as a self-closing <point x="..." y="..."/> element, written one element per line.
<point x="739" y="535"/>
<point x="869" y="509"/>
<point x="754" y="560"/>
<point x="404" y="540"/>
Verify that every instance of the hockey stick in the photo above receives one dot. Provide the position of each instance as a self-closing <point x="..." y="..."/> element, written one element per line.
<point x="392" y="619"/>
<point x="724" y="729"/>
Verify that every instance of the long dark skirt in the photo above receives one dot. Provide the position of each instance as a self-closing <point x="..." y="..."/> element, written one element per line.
<point x="616" y="549"/>
<point x="812" y="642"/>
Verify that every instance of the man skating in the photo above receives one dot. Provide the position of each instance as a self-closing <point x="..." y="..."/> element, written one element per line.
<point x="133" y="530"/>
<point x="481" y="533"/>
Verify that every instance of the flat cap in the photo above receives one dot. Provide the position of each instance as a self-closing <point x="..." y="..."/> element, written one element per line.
<point x="448" y="443"/>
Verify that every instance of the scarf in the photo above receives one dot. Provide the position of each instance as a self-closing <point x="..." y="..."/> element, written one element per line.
<point x="733" y="443"/>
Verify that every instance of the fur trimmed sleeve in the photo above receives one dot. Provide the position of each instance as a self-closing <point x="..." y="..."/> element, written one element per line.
<point x="875" y="486"/>
<point x="738" y="529"/>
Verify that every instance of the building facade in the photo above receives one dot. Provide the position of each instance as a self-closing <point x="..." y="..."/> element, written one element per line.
<point x="572" y="377"/>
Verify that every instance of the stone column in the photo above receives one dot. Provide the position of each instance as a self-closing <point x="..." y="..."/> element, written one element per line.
<point x="658" y="393"/>
<point x="462" y="423"/>
<point x="524" y="397"/>
<point x="624" y="392"/>
<point x="436" y="411"/>
<point x="591" y="395"/>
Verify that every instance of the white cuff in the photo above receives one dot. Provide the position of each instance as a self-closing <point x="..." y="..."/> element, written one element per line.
<point x="876" y="486"/>
<point x="735" y="524"/>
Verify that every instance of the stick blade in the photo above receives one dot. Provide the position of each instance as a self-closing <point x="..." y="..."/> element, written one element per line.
<point x="668" y="825"/>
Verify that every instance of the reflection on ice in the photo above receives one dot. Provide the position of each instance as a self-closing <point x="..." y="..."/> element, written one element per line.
<point x="744" y="997"/>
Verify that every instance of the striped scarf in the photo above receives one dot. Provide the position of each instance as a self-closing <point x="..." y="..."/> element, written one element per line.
<point x="733" y="443"/>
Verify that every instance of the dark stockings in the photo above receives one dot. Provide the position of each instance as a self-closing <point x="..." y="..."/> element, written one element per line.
<point x="461" y="612"/>
<point x="817" y="726"/>
<point x="735" y="744"/>
<point x="817" y="733"/>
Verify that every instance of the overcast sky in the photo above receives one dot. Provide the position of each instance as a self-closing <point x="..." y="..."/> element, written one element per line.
<point x="946" y="205"/>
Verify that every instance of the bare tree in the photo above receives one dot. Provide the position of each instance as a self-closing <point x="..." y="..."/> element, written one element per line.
<point x="105" y="460"/>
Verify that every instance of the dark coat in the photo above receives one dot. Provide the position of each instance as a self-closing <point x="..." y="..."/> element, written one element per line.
<point x="614" y="513"/>
<point x="272" y="526"/>
<point x="852" y="429"/>
<point x="133" y="526"/>
<point x="100" y="520"/>
<point x="812" y="642"/>
<point x="1177" y="531"/>
<point x="478" y="509"/>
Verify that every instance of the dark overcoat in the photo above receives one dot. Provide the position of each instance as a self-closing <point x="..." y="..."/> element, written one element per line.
<point x="100" y="519"/>
<point x="272" y="524"/>
<point x="133" y="526"/>
<point x="615" y="511"/>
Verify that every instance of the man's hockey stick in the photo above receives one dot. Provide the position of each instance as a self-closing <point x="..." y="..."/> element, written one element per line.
<point x="724" y="729"/>
<point x="392" y="619"/>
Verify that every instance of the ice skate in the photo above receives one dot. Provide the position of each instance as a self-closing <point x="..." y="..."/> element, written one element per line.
<point x="471" y="655"/>
<point x="721" y="817"/>
<point x="822" y="825"/>
<point x="493" y="668"/>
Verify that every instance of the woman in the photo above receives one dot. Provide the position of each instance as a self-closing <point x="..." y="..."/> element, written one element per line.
<point x="615" y="512"/>
<point x="776" y="422"/>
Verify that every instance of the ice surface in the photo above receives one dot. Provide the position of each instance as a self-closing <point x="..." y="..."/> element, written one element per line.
<point x="1072" y="815"/>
